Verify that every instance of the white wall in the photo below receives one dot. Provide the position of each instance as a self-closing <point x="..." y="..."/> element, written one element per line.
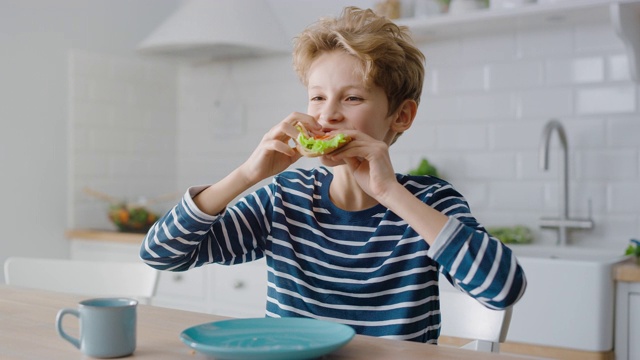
<point x="485" y="102"/>
<point x="36" y="37"/>
<point x="122" y="131"/>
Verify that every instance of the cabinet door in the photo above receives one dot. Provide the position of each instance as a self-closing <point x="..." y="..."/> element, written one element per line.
<point x="183" y="290"/>
<point x="634" y="326"/>
<point x="240" y="290"/>
<point x="627" y="331"/>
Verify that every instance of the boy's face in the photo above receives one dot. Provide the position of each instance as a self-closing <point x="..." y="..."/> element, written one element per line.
<point x="340" y="99"/>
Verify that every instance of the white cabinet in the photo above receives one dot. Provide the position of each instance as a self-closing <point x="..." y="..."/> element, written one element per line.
<point x="184" y="290"/>
<point x="622" y="15"/>
<point x="627" y="342"/>
<point x="633" y="340"/>
<point x="237" y="291"/>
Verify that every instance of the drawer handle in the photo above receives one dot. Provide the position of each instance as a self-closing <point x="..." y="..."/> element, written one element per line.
<point x="238" y="284"/>
<point x="177" y="277"/>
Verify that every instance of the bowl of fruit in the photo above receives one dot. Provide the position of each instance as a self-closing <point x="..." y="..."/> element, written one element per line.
<point x="131" y="217"/>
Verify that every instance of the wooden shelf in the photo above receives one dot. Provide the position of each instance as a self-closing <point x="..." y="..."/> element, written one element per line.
<point x="623" y="15"/>
<point x="105" y="235"/>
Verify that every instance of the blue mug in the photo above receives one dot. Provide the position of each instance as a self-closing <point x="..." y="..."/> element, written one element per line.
<point x="107" y="327"/>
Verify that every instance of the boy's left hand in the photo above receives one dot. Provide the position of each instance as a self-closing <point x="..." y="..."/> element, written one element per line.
<point x="369" y="161"/>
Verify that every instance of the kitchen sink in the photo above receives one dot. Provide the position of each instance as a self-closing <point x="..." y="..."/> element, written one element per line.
<point x="569" y="301"/>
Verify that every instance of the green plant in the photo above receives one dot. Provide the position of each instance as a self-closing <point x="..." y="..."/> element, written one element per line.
<point x="446" y="3"/>
<point x="518" y="234"/>
<point x="634" y="249"/>
<point x="424" y="168"/>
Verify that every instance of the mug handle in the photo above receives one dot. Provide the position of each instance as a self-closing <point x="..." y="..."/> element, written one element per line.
<point x="61" y="332"/>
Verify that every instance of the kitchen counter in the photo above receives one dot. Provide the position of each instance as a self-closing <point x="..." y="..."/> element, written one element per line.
<point x="105" y="235"/>
<point x="628" y="271"/>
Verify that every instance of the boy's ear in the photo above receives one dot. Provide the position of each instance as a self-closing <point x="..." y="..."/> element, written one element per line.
<point x="405" y="116"/>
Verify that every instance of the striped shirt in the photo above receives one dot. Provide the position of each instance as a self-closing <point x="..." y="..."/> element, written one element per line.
<point x="368" y="269"/>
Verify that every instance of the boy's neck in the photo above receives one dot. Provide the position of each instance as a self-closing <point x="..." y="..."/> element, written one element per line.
<point x="345" y="192"/>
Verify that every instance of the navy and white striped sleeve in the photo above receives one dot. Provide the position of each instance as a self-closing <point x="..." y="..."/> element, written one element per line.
<point x="470" y="258"/>
<point x="185" y="237"/>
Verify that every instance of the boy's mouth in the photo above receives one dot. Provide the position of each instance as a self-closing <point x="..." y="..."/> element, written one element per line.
<point x="313" y="146"/>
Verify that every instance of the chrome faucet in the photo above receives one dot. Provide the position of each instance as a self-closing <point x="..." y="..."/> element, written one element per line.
<point x="563" y="223"/>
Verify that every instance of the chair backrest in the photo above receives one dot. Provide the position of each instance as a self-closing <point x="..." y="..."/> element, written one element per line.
<point x="90" y="278"/>
<point x="464" y="317"/>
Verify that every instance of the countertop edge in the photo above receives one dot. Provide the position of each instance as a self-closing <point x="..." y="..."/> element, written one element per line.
<point x="104" y="235"/>
<point x="628" y="271"/>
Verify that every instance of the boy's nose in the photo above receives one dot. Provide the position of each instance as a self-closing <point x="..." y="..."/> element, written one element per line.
<point x="330" y="114"/>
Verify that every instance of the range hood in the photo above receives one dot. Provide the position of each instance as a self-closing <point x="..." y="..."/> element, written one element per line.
<point x="218" y="29"/>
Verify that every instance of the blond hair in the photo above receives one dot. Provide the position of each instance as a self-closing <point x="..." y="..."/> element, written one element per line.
<point x="387" y="53"/>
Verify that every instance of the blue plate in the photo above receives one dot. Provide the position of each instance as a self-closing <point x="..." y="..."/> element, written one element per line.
<point x="267" y="338"/>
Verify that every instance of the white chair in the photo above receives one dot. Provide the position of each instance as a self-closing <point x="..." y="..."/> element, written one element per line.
<point x="89" y="278"/>
<point x="464" y="317"/>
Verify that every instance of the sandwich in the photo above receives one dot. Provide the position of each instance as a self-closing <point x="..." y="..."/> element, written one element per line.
<point x="314" y="146"/>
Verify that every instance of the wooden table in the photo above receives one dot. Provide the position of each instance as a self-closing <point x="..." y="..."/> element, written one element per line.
<point x="27" y="331"/>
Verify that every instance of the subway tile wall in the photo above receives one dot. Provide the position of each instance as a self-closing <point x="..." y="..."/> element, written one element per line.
<point x="485" y="102"/>
<point x="122" y="134"/>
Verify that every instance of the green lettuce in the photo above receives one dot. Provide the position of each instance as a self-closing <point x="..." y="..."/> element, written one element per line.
<point x="319" y="146"/>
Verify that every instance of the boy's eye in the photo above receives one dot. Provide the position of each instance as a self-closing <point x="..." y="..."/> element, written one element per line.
<point x="316" y="98"/>
<point x="353" y="98"/>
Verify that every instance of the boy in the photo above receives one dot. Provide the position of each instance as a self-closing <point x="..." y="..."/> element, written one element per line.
<point x="359" y="245"/>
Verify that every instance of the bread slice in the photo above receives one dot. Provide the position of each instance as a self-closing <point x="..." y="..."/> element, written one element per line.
<point x="314" y="146"/>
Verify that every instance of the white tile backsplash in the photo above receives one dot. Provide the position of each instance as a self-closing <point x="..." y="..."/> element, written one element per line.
<point x="485" y="102"/>
<point x="585" y="133"/>
<point x="624" y="197"/>
<point x="609" y="99"/>
<point x="516" y="196"/>
<point x="528" y="165"/>
<point x="597" y="38"/>
<point x="489" y="48"/>
<point x="441" y="109"/>
<point x="545" y="103"/>
<point x="550" y="41"/>
<point x="623" y="131"/>
<point x="581" y="70"/>
<point x="515" y="75"/>
<point x="513" y="135"/>
<point x="588" y="197"/>
<point x="618" y="68"/>
<point x="443" y="52"/>
<point x="461" y="79"/>
<point x="466" y="136"/>
<point x="608" y="165"/>
<point x="122" y="125"/>
<point x="492" y="106"/>
<point x="483" y="166"/>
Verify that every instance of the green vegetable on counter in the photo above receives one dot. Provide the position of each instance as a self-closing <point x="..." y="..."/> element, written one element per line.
<point x="518" y="234"/>
<point x="425" y="168"/>
<point x="634" y="249"/>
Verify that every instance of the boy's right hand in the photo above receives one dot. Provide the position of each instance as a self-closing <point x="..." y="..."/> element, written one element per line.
<point x="275" y="154"/>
